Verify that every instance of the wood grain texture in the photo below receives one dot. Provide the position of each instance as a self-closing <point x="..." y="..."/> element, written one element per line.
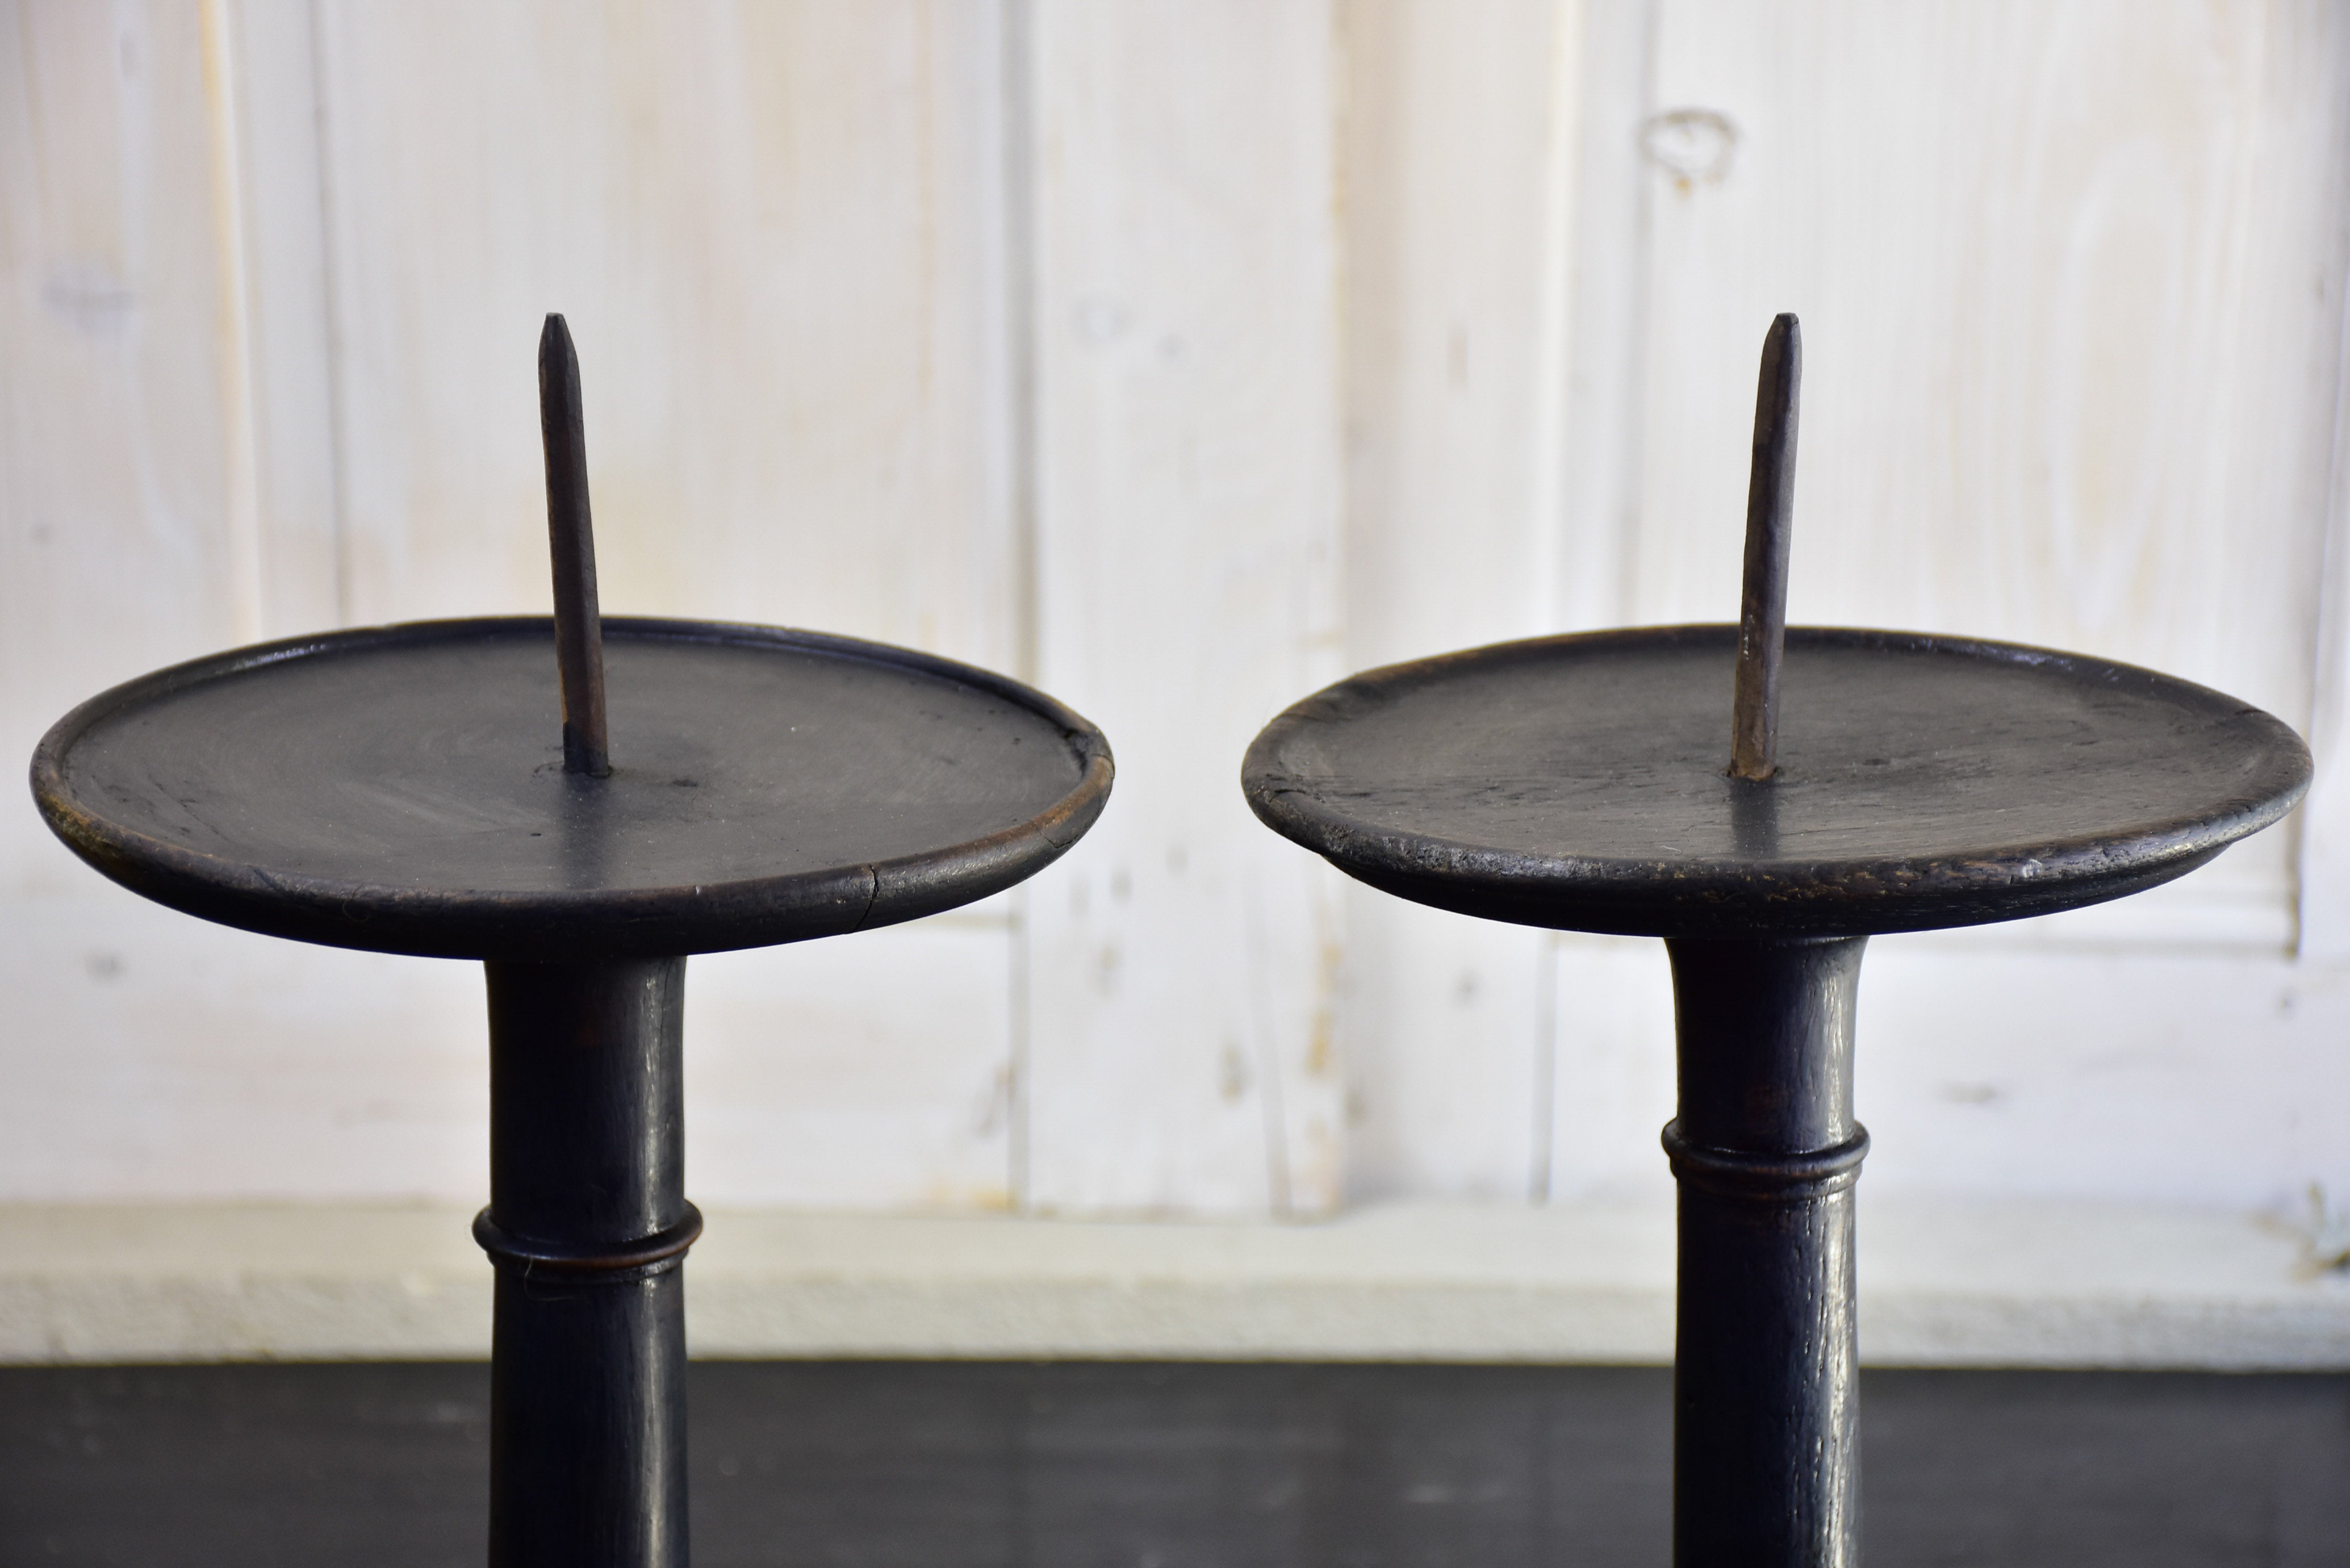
<point x="1576" y="783"/>
<point x="1186" y="302"/>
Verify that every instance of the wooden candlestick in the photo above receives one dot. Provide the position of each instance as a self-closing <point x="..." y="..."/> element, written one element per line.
<point x="397" y="789"/>
<point x="1908" y="783"/>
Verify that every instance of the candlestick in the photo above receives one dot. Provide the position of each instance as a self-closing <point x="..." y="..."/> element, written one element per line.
<point x="395" y="789"/>
<point x="1909" y="782"/>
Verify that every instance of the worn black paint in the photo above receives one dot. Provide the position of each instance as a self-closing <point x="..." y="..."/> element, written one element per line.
<point x="1919" y="782"/>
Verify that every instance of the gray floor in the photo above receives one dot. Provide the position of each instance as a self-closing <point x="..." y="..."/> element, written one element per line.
<point x="1122" y="1466"/>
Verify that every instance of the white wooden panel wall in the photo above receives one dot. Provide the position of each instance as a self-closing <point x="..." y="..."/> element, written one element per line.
<point x="1183" y="357"/>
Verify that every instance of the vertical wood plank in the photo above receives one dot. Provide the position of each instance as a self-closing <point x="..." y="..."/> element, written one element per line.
<point x="297" y="522"/>
<point x="1603" y="1049"/>
<point x="116" y="525"/>
<point x="1187" y="295"/>
<point x="1459" y="174"/>
<point x="2324" y="817"/>
<point x="2313" y="66"/>
<point x="1600" y="442"/>
<point x="233" y="334"/>
<point x="155" y="1056"/>
<point x="166" y="1059"/>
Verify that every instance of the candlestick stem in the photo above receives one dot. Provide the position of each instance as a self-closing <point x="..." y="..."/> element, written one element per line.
<point x="589" y="1226"/>
<point x="1762" y="605"/>
<point x="1765" y="1152"/>
<point x="571" y="545"/>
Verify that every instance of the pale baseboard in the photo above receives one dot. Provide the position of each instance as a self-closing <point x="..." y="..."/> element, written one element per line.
<point x="1945" y="1283"/>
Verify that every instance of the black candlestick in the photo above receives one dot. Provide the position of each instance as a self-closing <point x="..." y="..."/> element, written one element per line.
<point x="1877" y="782"/>
<point x="413" y="789"/>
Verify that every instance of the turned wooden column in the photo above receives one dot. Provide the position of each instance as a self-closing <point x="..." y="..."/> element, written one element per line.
<point x="580" y="804"/>
<point x="1873" y="782"/>
<point x="589" y="1226"/>
<point x="1765" y="1152"/>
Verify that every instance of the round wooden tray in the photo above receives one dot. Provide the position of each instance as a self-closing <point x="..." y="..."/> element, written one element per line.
<point x="401" y="789"/>
<point x="1581" y="783"/>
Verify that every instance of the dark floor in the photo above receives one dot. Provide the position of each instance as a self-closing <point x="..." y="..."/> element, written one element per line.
<point x="1124" y="1466"/>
